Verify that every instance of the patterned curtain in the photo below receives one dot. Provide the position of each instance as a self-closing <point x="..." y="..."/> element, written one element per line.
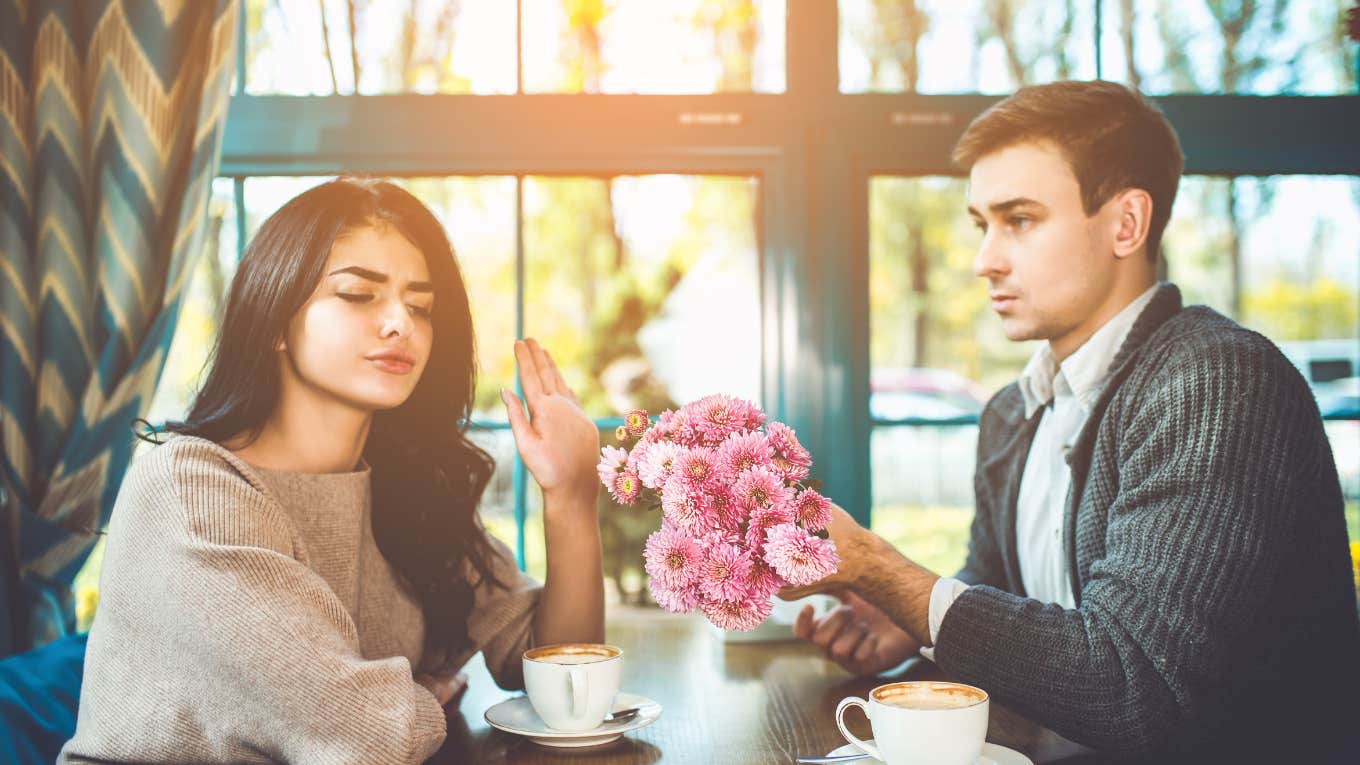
<point x="111" y="117"/>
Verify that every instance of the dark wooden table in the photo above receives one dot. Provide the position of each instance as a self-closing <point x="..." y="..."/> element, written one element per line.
<point x="729" y="703"/>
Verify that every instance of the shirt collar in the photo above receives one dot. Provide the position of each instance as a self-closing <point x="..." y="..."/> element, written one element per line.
<point x="1087" y="368"/>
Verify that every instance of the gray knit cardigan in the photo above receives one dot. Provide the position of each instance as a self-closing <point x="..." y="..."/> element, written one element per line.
<point x="1216" y="615"/>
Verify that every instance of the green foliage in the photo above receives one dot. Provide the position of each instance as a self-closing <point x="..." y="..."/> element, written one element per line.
<point x="1285" y="309"/>
<point x="935" y="536"/>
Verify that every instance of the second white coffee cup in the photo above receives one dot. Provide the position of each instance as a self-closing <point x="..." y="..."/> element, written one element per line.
<point x="925" y="721"/>
<point x="572" y="686"/>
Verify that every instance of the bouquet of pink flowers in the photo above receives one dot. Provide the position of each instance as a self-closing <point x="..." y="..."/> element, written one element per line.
<point x="740" y="519"/>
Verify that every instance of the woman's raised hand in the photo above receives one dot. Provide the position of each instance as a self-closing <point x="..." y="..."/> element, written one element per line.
<point x="557" y="441"/>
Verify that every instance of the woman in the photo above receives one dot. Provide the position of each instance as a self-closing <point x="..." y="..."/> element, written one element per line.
<point x="256" y="605"/>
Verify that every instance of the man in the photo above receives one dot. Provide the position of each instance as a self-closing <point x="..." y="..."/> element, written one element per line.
<point x="1158" y="561"/>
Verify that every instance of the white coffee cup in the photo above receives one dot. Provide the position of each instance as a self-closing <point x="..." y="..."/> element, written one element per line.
<point x="923" y="721"/>
<point x="572" y="686"/>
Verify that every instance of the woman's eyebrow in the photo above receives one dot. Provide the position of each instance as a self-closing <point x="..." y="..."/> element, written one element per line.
<point x="381" y="278"/>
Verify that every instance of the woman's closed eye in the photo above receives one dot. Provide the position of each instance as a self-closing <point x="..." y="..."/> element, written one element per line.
<point x="423" y="311"/>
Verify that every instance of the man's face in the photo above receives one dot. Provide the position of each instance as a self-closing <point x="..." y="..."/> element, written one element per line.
<point x="1049" y="267"/>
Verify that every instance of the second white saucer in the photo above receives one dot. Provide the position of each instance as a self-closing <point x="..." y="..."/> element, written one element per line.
<point x="992" y="754"/>
<point x="517" y="716"/>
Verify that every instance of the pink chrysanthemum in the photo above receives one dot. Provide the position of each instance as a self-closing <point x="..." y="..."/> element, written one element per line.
<point x="759" y="488"/>
<point x="723" y="574"/>
<point x="798" y="556"/>
<point x="697" y="466"/>
<point x="764" y="519"/>
<point x="638" y="454"/>
<point x="720" y="536"/>
<point x="672" y="557"/>
<point x="679" y="600"/>
<point x="635" y="422"/>
<point x="811" y="510"/>
<point x="728" y="516"/>
<point x="787" y="470"/>
<point x="655" y="468"/>
<point x="742" y="451"/>
<point x="687" y="507"/>
<point x="611" y="462"/>
<point x="626" y="487"/>
<point x="785" y="444"/>
<point x="717" y="416"/>
<point x="739" y="615"/>
<point x="675" y="426"/>
<point x="764" y="580"/>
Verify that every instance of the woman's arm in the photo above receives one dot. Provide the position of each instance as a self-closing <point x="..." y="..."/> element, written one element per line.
<point x="572" y="607"/>
<point x="560" y="446"/>
<point x="214" y="644"/>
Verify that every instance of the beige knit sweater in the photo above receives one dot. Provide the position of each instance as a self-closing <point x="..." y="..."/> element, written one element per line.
<point x="247" y="615"/>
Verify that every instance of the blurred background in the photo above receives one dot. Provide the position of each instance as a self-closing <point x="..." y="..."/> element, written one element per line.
<point x="754" y="197"/>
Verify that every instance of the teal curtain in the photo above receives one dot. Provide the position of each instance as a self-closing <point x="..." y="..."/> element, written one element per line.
<point x="111" y="117"/>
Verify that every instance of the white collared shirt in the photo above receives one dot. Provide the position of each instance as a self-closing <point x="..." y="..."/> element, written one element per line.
<point x="1068" y="390"/>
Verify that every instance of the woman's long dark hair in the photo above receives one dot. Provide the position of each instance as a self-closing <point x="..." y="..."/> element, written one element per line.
<point x="427" y="476"/>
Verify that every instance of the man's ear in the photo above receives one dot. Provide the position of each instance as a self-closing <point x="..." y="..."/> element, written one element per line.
<point x="1134" y="210"/>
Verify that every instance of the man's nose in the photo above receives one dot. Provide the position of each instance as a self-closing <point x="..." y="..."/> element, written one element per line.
<point x="989" y="260"/>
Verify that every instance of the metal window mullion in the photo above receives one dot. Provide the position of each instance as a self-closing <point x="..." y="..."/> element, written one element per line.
<point x="520" y="476"/>
<point x="519" y="47"/>
<point x="238" y="184"/>
<point x="240" y="47"/>
<point x="1098" y="44"/>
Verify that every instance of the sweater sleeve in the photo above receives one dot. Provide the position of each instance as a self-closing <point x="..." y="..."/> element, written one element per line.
<point x="502" y="620"/>
<point x="214" y="642"/>
<point x="1210" y="465"/>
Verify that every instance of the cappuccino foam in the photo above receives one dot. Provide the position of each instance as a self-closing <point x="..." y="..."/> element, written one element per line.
<point x="572" y="653"/>
<point x="926" y="702"/>
<point x="573" y="658"/>
<point x="929" y="695"/>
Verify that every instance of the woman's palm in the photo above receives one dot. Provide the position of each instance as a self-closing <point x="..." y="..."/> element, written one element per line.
<point x="557" y="441"/>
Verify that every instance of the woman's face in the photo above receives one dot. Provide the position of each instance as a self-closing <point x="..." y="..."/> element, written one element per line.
<point x="364" y="336"/>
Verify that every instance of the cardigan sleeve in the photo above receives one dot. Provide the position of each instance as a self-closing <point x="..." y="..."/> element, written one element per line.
<point x="214" y="642"/>
<point x="1212" y="461"/>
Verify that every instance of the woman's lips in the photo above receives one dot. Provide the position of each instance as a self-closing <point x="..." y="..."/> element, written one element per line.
<point x="393" y="361"/>
<point x="393" y="366"/>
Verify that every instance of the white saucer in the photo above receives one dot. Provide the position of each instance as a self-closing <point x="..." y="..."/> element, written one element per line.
<point x="992" y="754"/>
<point x="517" y="716"/>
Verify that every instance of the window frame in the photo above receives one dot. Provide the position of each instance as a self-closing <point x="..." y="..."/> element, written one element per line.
<point x="814" y="151"/>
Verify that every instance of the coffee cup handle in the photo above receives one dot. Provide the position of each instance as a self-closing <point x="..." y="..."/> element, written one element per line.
<point x="576" y="678"/>
<point x="863" y="746"/>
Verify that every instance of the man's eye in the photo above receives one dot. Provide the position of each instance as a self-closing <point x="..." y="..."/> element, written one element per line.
<point x="979" y="225"/>
<point x="1019" y="221"/>
<point x="353" y="297"/>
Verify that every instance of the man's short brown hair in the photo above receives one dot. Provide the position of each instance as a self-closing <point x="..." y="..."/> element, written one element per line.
<point x="1113" y="138"/>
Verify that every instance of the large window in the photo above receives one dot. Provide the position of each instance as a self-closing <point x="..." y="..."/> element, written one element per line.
<point x="316" y="47"/>
<point x="1160" y="46"/>
<point x="617" y="276"/>
<point x="755" y="196"/>
<point x="1281" y="255"/>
